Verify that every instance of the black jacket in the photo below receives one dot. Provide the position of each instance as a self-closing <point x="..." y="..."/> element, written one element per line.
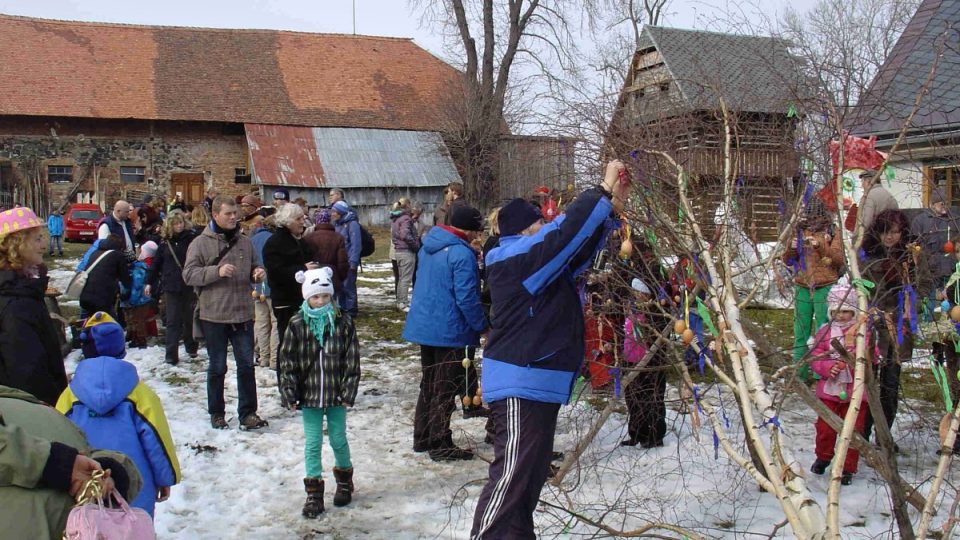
<point x="166" y="274"/>
<point x="102" y="287"/>
<point x="30" y="358"/>
<point x="283" y="257"/>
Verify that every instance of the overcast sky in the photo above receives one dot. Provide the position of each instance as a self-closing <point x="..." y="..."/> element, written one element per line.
<point x="373" y="17"/>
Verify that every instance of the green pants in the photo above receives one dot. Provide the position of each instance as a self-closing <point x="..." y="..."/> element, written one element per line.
<point x="809" y="314"/>
<point x="313" y="435"/>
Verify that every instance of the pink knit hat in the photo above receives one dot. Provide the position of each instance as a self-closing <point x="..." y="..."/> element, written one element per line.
<point x="842" y="298"/>
<point x="18" y="219"/>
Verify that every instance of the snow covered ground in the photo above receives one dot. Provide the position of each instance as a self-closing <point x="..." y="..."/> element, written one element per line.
<point x="248" y="484"/>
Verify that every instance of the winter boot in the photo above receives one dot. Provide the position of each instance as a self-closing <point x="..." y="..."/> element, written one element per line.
<point x="344" y="493"/>
<point x="313" y="506"/>
<point x="819" y="466"/>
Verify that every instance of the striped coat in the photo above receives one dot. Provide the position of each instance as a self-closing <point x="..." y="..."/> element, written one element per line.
<point x="312" y="381"/>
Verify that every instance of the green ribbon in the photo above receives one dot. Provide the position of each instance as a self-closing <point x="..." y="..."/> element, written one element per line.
<point x="704" y="314"/>
<point x="791" y="111"/>
<point x="940" y="375"/>
<point x="864" y="285"/>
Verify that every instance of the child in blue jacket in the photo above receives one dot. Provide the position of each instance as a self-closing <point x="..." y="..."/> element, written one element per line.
<point x="138" y="308"/>
<point x="116" y="411"/>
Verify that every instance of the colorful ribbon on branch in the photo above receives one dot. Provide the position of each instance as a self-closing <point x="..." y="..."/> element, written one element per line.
<point x="940" y="375"/>
<point x="906" y="293"/>
<point x="704" y="314"/>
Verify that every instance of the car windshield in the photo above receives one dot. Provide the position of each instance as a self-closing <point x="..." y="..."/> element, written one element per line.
<point x="84" y="214"/>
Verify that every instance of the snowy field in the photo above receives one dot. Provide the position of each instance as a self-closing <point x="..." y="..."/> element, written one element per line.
<point x="249" y="484"/>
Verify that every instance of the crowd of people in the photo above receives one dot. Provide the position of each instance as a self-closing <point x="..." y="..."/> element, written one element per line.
<point x="276" y="284"/>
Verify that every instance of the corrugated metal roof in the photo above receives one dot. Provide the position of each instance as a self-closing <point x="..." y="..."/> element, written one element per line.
<point x="348" y="157"/>
<point x="284" y="156"/>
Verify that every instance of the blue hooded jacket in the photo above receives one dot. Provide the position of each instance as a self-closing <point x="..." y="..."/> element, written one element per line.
<point x="445" y="309"/>
<point x="536" y="340"/>
<point x="138" y="278"/>
<point x="55" y="225"/>
<point x="349" y="229"/>
<point x="117" y="412"/>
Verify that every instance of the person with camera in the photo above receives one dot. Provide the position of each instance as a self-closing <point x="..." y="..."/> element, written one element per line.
<point x="816" y="258"/>
<point x="536" y="347"/>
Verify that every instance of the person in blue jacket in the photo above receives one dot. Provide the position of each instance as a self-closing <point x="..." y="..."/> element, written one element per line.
<point x="345" y="220"/>
<point x="536" y="346"/>
<point x="445" y="319"/>
<point x="55" y="228"/>
<point x="117" y="411"/>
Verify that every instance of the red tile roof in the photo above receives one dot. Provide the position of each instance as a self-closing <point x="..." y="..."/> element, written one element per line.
<point x="100" y="70"/>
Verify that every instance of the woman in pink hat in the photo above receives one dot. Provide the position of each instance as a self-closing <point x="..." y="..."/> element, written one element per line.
<point x="30" y="357"/>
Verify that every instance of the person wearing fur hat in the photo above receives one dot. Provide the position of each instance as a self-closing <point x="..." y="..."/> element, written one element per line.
<point x="835" y="386"/>
<point x="250" y="217"/>
<point x="320" y="373"/>
<point x="116" y="411"/>
<point x="445" y="319"/>
<point x="30" y="356"/>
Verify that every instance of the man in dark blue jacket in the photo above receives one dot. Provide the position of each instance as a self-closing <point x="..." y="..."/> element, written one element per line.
<point x="446" y="319"/>
<point x="536" y="344"/>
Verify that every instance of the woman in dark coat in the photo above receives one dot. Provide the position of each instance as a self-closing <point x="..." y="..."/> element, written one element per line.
<point x="326" y="247"/>
<point x="30" y="356"/>
<point x="283" y="257"/>
<point x="166" y="277"/>
<point x="895" y="267"/>
<point x="103" y="282"/>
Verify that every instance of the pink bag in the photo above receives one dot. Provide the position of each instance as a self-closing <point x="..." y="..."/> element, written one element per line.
<point x="93" y="521"/>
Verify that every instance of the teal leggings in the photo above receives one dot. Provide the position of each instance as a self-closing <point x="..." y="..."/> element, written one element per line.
<point x="313" y="433"/>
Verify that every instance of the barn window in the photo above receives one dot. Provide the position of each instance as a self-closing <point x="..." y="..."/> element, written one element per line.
<point x="240" y="176"/>
<point x="60" y="174"/>
<point x="133" y="175"/>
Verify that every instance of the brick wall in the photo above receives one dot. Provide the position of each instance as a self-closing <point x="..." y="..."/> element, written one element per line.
<point x="96" y="149"/>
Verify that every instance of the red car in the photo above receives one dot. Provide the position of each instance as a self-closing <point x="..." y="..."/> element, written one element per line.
<point x="80" y="222"/>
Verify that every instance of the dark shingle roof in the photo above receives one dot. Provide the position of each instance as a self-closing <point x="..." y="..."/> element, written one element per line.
<point x="934" y="29"/>
<point x="751" y="73"/>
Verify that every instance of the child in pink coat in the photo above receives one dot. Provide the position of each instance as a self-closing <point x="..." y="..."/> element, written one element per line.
<point x="835" y="386"/>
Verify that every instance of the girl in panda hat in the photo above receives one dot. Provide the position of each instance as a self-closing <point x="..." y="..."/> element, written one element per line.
<point x="320" y="373"/>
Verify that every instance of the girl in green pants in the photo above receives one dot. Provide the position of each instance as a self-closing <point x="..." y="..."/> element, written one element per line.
<point x="816" y="257"/>
<point x="320" y="373"/>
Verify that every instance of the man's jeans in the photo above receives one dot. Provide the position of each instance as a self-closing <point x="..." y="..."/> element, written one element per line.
<point x="240" y="335"/>
<point x="55" y="240"/>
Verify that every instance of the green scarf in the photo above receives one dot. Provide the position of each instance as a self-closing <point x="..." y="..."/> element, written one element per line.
<point x="319" y="319"/>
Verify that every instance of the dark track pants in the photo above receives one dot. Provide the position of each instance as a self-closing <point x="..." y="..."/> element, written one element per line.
<point x="441" y="379"/>
<point x="522" y="450"/>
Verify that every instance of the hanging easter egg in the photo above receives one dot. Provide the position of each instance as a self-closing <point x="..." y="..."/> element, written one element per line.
<point x="467" y="401"/>
<point x="955" y="313"/>
<point x="254" y="294"/>
<point x="948" y="247"/>
<point x="465" y="363"/>
<point x="263" y="297"/>
<point x="689" y="283"/>
<point x="687" y="336"/>
<point x="477" y="401"/>
<point x="676" y="299"/>
<point x="626" y="249"/>
<point x="843" y="395"/>
<point x="679" y="326"/>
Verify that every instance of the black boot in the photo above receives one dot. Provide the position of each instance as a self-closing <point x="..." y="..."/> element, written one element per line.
<point x="344" y="493"/>
<point x="819" y="466"/>
<point x="313" y="506"/>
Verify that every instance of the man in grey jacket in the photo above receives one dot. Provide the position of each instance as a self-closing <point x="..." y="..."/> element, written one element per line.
<point x="221" y="263"/>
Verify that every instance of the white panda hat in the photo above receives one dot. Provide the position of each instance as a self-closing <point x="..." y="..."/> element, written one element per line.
<point x="318" y="281"/>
